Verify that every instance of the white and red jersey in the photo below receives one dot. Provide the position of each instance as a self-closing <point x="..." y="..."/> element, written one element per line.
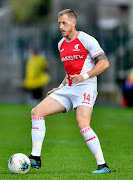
<point x="78" y="55"/>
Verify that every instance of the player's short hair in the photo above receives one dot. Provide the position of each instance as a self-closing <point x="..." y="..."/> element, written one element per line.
<point x="69" y="12"/>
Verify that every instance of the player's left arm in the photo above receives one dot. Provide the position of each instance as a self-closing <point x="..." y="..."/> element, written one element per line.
<point x="101" y="65"/>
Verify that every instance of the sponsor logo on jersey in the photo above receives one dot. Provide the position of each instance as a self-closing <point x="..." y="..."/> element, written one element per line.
<point x="73" y="57"/>
<point x="76" y="47"/>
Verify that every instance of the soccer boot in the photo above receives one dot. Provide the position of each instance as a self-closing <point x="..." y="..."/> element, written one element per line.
<point x="102" y="169"/>
<point x="35" y="161"/>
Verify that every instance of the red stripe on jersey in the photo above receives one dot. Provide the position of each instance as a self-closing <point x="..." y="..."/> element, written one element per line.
<point x="73" y="55"/>
<point x="91" y="138"/>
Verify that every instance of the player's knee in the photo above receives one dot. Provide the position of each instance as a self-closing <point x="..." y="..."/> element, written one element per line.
<point x="37" y="112"/>
<point x="83" y="125"/>
<point x="83" y="122"/>
<point x="33" y="112"/>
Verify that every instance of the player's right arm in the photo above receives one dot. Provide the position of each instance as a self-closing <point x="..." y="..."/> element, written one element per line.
<point x="59" y="87"/>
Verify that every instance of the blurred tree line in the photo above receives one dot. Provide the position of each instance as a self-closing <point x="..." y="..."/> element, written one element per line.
<point x="30" y="11"/>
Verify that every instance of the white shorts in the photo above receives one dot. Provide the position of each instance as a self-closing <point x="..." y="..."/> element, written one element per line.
<point x="73" y="96"/>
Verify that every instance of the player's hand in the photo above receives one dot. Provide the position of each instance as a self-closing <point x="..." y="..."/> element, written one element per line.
<point x="54" y="89"/>
<point x="76" y="78"/>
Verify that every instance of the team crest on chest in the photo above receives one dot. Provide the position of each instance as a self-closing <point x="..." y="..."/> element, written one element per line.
<point x="76" y="47"/>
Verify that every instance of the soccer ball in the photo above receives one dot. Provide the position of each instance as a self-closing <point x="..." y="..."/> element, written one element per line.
<point x="19" y="163"/>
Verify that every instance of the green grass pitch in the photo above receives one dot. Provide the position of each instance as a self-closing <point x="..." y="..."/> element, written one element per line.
<point x="65" y="155"/>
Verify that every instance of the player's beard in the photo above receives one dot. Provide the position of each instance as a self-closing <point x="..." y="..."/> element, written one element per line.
<point x="66" y="33"/>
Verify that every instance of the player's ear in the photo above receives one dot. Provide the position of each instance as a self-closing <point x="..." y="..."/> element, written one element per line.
<point x="74" y="22"/>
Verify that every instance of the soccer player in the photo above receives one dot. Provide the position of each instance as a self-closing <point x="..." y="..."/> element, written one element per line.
<point x="79" y="52"/>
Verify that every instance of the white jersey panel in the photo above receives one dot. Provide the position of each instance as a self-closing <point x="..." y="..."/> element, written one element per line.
<point x="91" y="44"/>
<point x="60" y="42"/>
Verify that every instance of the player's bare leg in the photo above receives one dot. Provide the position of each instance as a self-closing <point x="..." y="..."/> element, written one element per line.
<point x="83" y="115"/>
<point x="46" y="107"/>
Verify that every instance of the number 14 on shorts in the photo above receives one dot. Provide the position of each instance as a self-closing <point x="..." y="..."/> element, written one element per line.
<point x="86" y="98"/>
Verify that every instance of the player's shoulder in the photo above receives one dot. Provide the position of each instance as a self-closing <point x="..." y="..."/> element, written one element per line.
<point x="60" y="42"/>
<point x="87" y="40"/>
<point x="62" y="39"/>
<point x="84" y="36"/>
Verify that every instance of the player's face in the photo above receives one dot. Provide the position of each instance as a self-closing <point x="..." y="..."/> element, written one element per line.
<point x="66" y="25"/>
